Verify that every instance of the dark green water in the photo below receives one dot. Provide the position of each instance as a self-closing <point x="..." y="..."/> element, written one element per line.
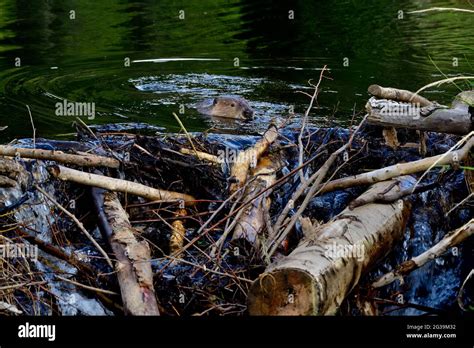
<point x="277" y="56"/>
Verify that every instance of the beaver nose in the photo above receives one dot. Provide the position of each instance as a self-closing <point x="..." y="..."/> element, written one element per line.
<point x="248" y="114"/>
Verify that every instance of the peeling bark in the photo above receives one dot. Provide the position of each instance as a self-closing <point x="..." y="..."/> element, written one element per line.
<point x="133" y="266"/>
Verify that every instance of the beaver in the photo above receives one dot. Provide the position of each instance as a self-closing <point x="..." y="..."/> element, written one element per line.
<point x="227" y="107"/>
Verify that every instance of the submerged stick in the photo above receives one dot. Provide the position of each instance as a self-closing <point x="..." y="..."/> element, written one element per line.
<point x="441" y="9"/>
<point x="305" y="120"/>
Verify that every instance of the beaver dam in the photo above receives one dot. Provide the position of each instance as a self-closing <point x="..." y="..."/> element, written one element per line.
<point x="373" y="219"/>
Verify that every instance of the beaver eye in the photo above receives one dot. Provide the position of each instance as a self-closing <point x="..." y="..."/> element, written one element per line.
<point x="232" y="104"/>
<point x="215" y="101"/>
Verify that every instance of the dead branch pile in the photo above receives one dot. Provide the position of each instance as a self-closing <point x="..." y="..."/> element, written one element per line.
<point x="287" y="222"/>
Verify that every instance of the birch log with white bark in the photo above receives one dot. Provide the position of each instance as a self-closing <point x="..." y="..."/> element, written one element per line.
<point x="133" y="265"/>
<point x="318" y="275"/>
<point x="118" y="185"/>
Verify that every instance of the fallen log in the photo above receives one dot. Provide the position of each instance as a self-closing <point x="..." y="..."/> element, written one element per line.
<point x="249" y="157"/>
<point x="61" y="157"/>
<point x="450" y="240"/>
<point x="388" y="113"/>
<point x="316" y="277"/>
<point x="399" y="169"/>
<point x="112" y="184"/>
<point x="252" y="221"/>
<point x="133" y="266"/>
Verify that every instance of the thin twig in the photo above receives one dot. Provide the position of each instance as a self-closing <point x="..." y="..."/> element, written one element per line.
<point x="460" y="203"/>
<point x="440" y="82"/>
<point x="271" y="187"/>
<point x="317" y="179"/>
<point x="205" y="269"/>
<point x="461" y="290"/>
<point x="99" y="139"/>
<point x="223" y="204"/>
<point x="86" y="286"/>
<point x="33" y="126"/>
<point x="19" y="285"/>
<point x="442" y="73"/>
<point x="305" y="120"/>
<point x="187" y="134"/>
<point x="217" y="246"/>
<point x="78" y="223"/>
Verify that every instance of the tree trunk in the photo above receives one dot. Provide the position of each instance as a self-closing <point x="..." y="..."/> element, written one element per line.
<point x="317" y="276"/>
<point x="404" y="115"/>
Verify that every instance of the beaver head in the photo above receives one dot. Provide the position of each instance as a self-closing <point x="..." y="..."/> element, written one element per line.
<point x="228" y="107"/>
